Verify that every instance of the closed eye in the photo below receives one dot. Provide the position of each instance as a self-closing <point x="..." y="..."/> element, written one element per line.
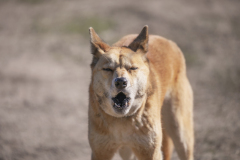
<point x="133" y="68"/>
<point x="107" y="69"/>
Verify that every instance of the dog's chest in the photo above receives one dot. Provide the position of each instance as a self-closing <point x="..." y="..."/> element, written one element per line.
<point x="126" y="132"/>
<point x="121" y="134"/>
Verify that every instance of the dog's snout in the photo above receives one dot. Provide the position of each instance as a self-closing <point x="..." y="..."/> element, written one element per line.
<point x="121" y="83"/>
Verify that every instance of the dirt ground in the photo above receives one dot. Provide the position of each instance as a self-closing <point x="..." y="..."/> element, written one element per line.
<point x="45" y="73"/>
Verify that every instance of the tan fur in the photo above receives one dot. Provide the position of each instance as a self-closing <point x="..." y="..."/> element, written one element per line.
<point x="160" y="103"/>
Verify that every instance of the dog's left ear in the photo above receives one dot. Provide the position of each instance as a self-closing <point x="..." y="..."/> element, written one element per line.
<point x="97" y="44"/>
<point x="141" y="42"/>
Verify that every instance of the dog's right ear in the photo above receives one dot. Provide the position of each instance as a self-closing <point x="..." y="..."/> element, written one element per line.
<point x="98" y="47"/>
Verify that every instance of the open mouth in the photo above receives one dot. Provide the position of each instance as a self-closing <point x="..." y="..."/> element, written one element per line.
<point x="120" y="101"/>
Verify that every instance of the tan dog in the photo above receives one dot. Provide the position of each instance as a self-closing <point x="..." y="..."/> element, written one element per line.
<point x="140" y="99"/>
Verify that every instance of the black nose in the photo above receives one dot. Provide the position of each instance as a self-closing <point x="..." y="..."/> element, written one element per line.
<point x="121" y="83"/>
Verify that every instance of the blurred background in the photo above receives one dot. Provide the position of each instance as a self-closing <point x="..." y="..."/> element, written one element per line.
<point x="45" y="72"/>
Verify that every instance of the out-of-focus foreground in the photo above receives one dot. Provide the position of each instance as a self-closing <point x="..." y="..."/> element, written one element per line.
<point x="44" y="70"/>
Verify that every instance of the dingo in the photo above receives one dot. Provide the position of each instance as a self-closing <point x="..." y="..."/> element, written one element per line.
<point x="140" y="100"/>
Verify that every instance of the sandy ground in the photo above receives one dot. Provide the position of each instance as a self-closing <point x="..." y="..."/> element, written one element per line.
<point x="45" y="73"/>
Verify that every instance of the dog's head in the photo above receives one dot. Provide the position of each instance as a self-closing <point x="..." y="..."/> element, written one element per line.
<point x="120" y="74"/>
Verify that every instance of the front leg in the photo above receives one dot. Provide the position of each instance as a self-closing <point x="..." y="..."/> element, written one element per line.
<point x="148" y="147"/>
<point x="102" y="155"/>
<point x="148" y="153"/>
<point x="103" y="148"/>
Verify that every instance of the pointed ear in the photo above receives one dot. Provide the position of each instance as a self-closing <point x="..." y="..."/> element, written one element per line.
<point x="141" y="42"/>
<point x="97" y="44"/>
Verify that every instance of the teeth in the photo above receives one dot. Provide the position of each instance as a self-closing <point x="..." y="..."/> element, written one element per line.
<point x="125" y="102"/>
<point x="118" y="106"/>
<point x="120" y="102"/>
